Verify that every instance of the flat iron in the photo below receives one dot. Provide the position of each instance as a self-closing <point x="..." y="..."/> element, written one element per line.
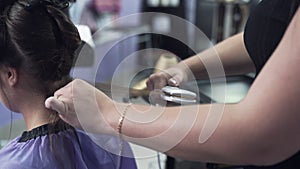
<point x="177" y="95"/>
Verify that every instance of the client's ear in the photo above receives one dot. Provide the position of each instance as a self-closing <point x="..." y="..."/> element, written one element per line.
<point x="12" y="75"/>
<point x="9" y="75"/>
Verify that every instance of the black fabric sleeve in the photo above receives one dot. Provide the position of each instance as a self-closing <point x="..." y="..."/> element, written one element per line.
<point x="265" y="28"/>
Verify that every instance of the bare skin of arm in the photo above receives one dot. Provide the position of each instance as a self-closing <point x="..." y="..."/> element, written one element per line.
<point x="231" y="53"/>
<point x="262" y="129"/>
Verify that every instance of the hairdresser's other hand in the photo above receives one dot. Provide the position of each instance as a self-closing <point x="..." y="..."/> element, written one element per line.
<point x="83" y="106"/>
<point x="173" y="76"/>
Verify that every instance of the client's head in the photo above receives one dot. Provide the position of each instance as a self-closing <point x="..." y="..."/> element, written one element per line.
<point x="37" y="44"/>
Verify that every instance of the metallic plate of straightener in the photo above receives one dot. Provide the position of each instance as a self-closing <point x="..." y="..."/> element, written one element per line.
<point x="177" y="95"/>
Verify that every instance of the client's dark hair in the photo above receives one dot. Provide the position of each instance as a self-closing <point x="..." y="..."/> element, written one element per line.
<point x="40" y="41"/>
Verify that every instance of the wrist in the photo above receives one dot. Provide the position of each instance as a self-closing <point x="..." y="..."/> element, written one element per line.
<point x="121" y="120"/>
<point x="116" y="117"/>
<point x="185" y="71"/>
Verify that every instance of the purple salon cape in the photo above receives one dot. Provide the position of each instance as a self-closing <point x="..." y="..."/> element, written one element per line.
<point x="71" y="149"/>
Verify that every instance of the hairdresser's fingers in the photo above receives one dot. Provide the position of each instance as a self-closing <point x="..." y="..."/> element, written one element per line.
<point x="56" y="105"/>
<point x="175" y="80"/>
<point x="157" y="80"/>
<point x="66" y="91"/>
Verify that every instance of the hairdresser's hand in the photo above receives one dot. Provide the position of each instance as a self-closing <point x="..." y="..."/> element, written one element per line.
<point x="173" y="76"/>
<point x="84" y="107"/>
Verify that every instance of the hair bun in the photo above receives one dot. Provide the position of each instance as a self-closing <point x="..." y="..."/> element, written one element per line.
<point x="69" y="34"/>
<point x="41" y="42"/>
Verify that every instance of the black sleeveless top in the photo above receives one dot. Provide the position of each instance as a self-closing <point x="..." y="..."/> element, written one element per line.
<point x="265" y="28"/>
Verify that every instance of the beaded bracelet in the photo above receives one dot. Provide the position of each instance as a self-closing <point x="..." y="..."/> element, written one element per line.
<point x="119" y="129"/>
<point x="121" y="120"/>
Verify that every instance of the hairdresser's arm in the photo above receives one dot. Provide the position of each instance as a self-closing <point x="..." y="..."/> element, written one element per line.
<point x="231" y="53"/>
<point x="262" y="129"/>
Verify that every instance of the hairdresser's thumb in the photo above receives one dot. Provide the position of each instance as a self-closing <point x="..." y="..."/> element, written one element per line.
<point x="55" y="104"/>
<point x="175" y="80"/>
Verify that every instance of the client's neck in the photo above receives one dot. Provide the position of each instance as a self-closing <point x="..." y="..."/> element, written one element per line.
<point x="34" y="112"/>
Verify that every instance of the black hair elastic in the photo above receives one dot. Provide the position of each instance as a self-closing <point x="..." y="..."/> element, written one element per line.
<point x="60" y="4"/>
